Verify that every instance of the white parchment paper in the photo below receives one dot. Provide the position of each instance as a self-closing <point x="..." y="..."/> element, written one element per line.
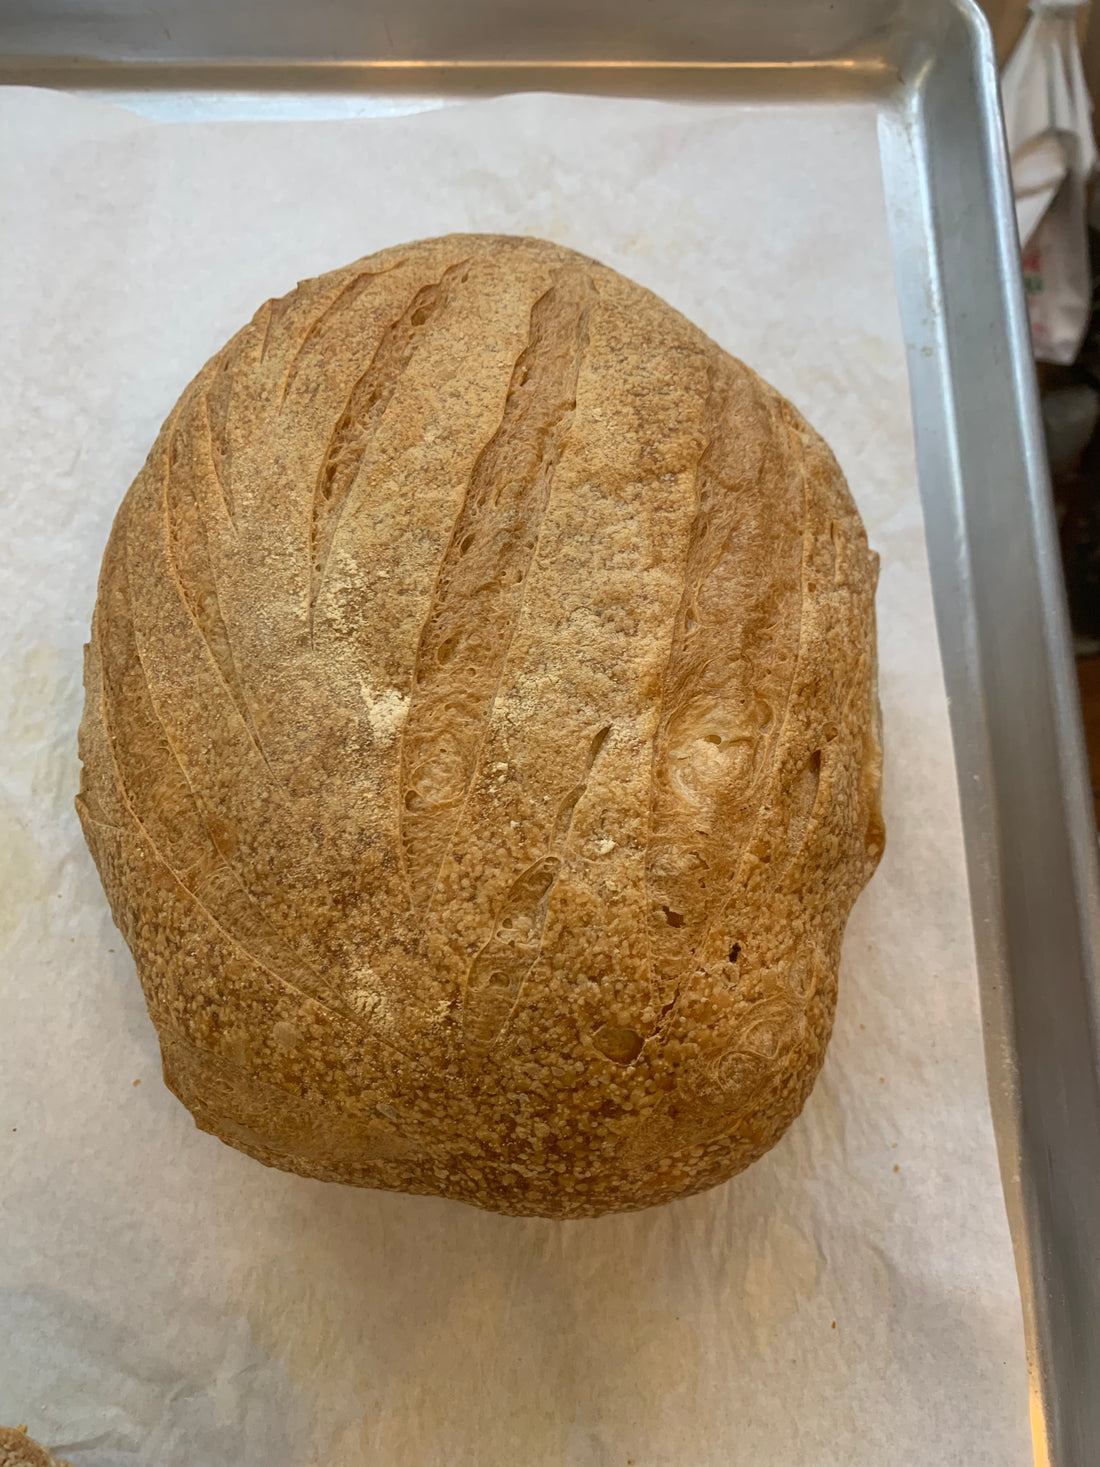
<point x="165" y="1301"/>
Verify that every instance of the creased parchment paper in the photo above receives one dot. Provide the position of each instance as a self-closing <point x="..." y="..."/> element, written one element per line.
<point x="167" y="1302"/>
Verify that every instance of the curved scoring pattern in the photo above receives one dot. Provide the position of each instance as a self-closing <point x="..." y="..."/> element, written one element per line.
<point x="480" y="747"/>
<point x="366" y="405"/>
<point x="479" y="589"/>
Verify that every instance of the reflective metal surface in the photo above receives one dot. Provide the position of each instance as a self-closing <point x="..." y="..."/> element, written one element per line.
<point x="1027" y="809"/>
<point x="540" y="31"/>
<point x="1019" y="746"/>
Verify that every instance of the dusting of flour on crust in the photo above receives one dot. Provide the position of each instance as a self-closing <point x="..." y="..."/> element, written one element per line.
<point x="386" y="711"/>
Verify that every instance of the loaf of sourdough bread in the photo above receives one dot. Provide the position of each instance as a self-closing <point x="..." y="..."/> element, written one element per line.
<point x="481" y="749"/>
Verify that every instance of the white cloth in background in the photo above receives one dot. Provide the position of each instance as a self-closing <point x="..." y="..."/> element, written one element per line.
<point x="1048" y="121"/>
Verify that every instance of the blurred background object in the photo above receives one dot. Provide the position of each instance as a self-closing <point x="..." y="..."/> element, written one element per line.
<point x="1069" y="380"/>
<point x="1048" y="125"/>
<point x="1008" y="18"/>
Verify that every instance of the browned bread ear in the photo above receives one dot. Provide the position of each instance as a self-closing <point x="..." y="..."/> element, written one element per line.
<point x="481" y="752"/>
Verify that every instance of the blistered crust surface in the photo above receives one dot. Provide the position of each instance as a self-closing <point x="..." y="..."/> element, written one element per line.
<point x="17" y="1449"/>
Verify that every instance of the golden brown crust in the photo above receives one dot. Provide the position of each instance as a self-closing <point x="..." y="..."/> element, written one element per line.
<point x="18" y="1450"/>
<point x="480" y="749"/>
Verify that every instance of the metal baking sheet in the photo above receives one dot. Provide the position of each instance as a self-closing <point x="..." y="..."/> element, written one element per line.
<point x="1031" y="843"/>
